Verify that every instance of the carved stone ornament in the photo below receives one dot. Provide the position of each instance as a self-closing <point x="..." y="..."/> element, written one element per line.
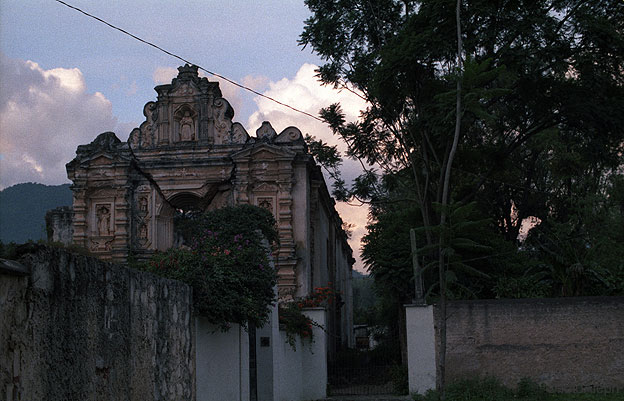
<point x="187" y="127"/>
<point x="134" y="138"/>
<point x="266" y="203"/>
<point x="143" y="231"/>
<point x="290" y="134"/>
<point x="184" y="90"/>
<point x="103" y="216"/>
<point x="266" y="131"/>
<point x="239" y="134"/>
<point x="144" y="135"/>
<point x="101" y="244"/>
<point x="223" y="121"/>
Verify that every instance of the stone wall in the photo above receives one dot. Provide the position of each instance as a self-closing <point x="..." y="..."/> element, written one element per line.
<point x="80" y="329"/>
<point x="566" y="344"/>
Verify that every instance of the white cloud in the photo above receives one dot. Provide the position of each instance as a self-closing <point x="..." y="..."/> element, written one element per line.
<point x="44" y="116"/>
<point x="305" y="93"/>
<point x="256" y="82"/>
<point x="70" y="79"/>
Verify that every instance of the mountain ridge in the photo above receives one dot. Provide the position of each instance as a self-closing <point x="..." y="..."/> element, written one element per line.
<point x="23" y="208"/>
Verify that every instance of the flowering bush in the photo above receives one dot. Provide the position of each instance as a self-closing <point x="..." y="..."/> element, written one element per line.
<point x="295" y="323"/>
<point x="226" y="261"/>
<point x="321" y="296"/>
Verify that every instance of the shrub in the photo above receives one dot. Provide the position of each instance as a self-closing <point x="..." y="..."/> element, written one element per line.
<point x="490" y="389"/>
<point x="400" y="379"/>
<point x="225" y="259"/>
<point x="295" y="323"/>
<point x="529" y="389"/>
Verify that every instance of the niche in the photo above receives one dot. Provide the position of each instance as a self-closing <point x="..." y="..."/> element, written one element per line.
<point x="186" y="124"/>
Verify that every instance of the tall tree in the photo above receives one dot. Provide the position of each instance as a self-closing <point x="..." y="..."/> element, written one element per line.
<point x="542" y="89"/>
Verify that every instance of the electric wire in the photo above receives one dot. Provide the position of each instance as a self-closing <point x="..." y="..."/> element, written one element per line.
<point x="343" y="85"/>
<point x="189" y="62"/>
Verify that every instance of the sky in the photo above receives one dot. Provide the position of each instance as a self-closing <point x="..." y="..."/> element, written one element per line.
<point x="65" y="77"/>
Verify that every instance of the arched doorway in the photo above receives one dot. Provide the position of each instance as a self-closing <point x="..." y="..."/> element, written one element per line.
<point x="179" y="204"/>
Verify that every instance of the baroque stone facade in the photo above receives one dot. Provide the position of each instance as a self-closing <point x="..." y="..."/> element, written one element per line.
<point x="188" y="154"/>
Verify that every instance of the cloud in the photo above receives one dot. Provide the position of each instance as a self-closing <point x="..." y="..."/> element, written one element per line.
<point x="256" y="82"/>
<point x="305" y="93"/>
<point x="44" y="116"/>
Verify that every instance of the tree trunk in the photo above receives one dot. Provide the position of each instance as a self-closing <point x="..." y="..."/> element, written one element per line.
<point x="443" y="213"/>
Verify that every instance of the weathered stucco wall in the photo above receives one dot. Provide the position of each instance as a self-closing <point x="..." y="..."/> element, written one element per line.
<point x="80" y="329"/>
<point x="222" y="360"/>
<point x="566" y="344"/>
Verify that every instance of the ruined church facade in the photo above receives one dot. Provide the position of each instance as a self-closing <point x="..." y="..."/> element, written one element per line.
<point x="188" y="154"/>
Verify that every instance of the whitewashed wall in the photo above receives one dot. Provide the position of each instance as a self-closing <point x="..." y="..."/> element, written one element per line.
<point x="420" y="348"/>
<point x="284" y="373"/>
<point x="301" y="374"/>
<point x="222" y="362"/>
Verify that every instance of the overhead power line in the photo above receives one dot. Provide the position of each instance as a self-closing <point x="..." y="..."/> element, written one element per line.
<point x="343" y="85"/>
<point x="189" y="62"/>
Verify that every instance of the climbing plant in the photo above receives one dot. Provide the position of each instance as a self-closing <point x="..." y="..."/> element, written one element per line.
<point x="225" y="257"/>
<point x="295" y="323"/>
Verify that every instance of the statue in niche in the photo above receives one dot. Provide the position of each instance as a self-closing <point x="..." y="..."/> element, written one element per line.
<point x="143" y="231"/>
<point x="103" y="220"/>
<point x="143" y="204"/>
<point x="187" y="127"/>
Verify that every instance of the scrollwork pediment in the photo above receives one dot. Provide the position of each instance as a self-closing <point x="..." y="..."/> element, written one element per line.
<point x="223" y="114"/>
<point x="289" y="135"/>
<point x="185" y="89"/>
<point x="266" y="131"/>
<point x="105" y="143"/>
<point x="265" y="187"/>
<point x="264" y="151"/>
<point x="239" y="134"/>
<point x="101" y="160"/>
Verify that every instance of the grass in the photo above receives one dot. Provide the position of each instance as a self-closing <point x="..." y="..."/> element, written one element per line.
<point x="491" y="390"/>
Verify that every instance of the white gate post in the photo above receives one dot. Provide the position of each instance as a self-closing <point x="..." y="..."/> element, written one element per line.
<point x="421" y="357"/>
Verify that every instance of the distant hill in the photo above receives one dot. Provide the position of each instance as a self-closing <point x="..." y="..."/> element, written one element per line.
<point x="23" y="208"/>
<point x="364" y="298"/>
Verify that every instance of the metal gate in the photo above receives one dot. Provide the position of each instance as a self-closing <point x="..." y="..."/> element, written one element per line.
<point x="359" y="373"/>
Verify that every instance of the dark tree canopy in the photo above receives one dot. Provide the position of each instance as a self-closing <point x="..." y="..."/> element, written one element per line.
<point x="542" y="133"/>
